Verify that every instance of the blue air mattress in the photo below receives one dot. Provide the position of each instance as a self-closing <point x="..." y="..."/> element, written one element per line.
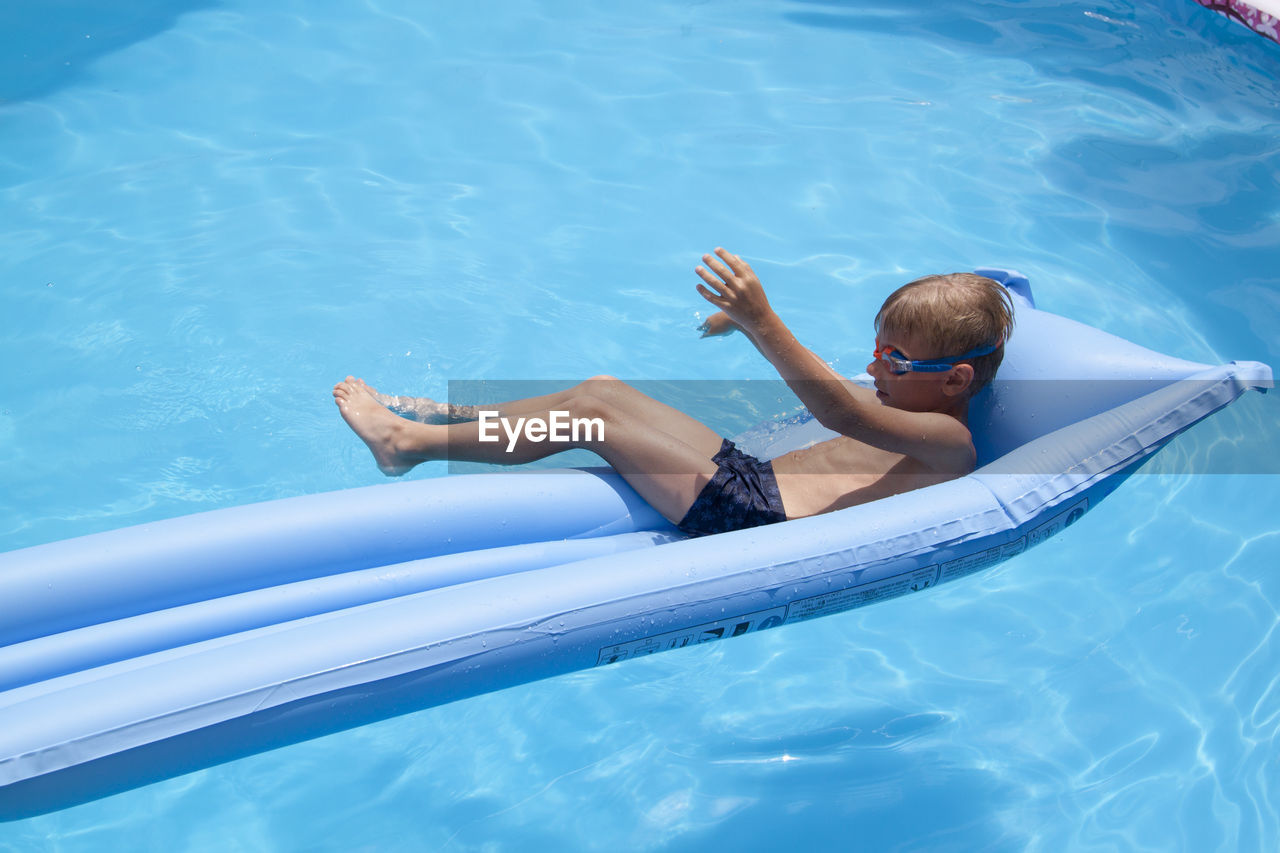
<point x="139" y="654"/>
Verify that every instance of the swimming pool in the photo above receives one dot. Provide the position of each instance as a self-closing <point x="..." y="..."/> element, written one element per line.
<point x="217" y="213"/>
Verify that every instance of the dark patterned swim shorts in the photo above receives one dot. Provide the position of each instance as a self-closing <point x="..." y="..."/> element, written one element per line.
<point x="743" y="493"/>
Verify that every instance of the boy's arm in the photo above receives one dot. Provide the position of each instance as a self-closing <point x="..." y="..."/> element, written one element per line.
<point x="720" y="324"/>
<point x="937" y="440"/>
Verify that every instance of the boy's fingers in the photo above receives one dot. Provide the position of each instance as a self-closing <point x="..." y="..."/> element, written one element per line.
<point x="710" y="279"/>
<point x="710" y="297"/>
<point x="719" y="268"/>
<point x="735" y="263"/>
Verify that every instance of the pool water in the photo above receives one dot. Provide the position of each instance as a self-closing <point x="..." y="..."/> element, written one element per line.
<point x="214" y="210"/>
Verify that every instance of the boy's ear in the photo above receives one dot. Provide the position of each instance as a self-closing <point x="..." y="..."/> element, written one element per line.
<point x="958" y="380"/>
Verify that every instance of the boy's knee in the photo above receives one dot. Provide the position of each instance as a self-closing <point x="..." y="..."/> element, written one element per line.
<point x="590" y="406"/>
<point x="603" y="387"/>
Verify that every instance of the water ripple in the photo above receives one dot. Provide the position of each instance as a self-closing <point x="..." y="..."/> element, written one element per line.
<point x="227" y="212"/>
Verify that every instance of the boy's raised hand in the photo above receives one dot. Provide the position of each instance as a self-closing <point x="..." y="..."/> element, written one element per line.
<point x="734" y="289"/>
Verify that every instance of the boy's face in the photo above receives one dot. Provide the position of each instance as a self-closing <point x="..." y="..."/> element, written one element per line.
<point x="912" y="391"/>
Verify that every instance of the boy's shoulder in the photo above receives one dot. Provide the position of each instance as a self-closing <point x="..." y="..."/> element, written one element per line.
<point x="940" y="441"/>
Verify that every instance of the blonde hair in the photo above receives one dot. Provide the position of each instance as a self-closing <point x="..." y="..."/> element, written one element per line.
<point x="953" y="314"/>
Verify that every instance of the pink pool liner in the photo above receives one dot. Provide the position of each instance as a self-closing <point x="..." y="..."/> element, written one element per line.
<point x="1261" y="16"/>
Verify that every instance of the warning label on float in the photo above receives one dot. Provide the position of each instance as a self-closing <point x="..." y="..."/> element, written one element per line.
<point x="971" y="563"/>
<point x="1058" y="523"/>
<point x="704" y="633"/>
<point x="856" y="596"/>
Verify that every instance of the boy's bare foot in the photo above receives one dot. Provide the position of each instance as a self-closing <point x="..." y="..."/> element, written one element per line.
<point x="378" y="427"/>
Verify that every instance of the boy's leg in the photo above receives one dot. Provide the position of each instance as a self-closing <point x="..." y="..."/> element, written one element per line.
<point x="662" y="468"/>
<point x="628" y="401"/>
<point x="607" y="389"/>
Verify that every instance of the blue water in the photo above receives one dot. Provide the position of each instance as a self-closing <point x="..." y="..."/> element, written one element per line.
<point x="213" y="210"/>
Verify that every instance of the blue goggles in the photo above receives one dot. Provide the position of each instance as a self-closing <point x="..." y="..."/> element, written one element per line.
<point x="899" y="363"/>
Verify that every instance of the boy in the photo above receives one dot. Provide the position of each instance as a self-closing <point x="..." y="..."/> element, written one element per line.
<point x="939" y="339"/>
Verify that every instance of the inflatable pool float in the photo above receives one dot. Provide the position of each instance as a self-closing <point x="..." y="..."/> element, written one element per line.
<point x="138" y="654"/>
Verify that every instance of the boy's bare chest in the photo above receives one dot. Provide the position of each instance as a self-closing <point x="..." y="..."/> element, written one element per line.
<point x="843" y="457"/>
<point x="844" y="472"/>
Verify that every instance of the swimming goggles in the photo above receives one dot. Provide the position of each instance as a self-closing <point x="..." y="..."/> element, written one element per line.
<point x="899" y="363"/>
